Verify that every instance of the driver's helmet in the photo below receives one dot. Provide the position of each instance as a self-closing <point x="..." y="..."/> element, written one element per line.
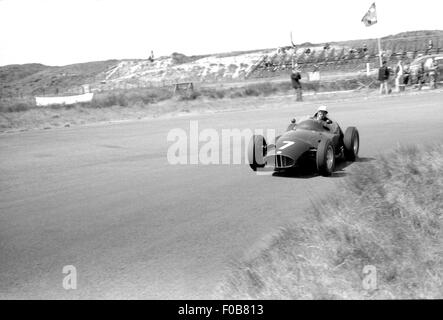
<point x="322" y="108"/>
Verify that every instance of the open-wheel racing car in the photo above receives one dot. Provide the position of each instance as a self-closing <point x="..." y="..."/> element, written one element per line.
<point x="305" y="142"/>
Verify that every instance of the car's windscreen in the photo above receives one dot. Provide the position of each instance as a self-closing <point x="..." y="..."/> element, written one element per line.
<point x="311" y="124"/>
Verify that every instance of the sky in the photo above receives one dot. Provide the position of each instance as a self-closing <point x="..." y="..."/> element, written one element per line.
<point x="61" y="32"/>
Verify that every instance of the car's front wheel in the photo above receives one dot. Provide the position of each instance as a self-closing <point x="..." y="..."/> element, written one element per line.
<point x="351" y="142"/>
<point x="256" y="152"/>
<point x="325" y="157"/>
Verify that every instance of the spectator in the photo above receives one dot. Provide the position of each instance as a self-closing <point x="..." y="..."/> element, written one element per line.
<point x="295" y="79"/>
<point x="151" y="57"/>
<point x="428" y="63"/>
<point x="398" y="75"/>
<point x="437" y="72"/>
<point x="430" y="45"/>
<point x="383" y="77"/>
<point x="281" y="51"/>
<point x="406" y="74"/>
<point x="433" y="75"/>
<point x="421" y="75"/>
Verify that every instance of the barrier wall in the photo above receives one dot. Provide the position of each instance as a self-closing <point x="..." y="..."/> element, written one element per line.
<point x="46" y="101"/>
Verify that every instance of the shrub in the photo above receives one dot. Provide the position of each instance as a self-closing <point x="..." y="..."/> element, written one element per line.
<point x="189" y="96"/>
<point x="16" y="105"/>
<point x="388" y="214"/>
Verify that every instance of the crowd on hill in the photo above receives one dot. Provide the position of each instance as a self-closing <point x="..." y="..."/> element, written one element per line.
<point x="344" y="57"/>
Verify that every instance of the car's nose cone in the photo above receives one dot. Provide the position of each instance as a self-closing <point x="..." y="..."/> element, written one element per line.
<point x="279" y="161"/>
<point x="291" y="147"/>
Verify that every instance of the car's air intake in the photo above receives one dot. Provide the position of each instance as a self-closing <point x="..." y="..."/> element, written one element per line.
<point x="283" y="162"/>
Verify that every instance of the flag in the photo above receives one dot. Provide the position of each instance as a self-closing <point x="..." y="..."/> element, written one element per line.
<point x="370" y="17"/>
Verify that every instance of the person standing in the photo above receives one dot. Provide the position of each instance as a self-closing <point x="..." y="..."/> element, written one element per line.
<point x="151" y="57"/>
<point x="406" y="74"/>
<point x="295" y="79"/>
<point x="421" y="75"/>
<point x="433" y="75"/>
<point x="398" y="76"/>
<point x="383" y="77"/>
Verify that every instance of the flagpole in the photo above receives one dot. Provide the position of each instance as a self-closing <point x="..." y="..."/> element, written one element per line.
<point x="293" y="54"/>
<point x="380" y="58"/>
<point x="379" y="51"/>
<point x="369" y="19"/>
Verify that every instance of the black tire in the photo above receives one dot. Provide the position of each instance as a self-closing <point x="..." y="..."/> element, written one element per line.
<point x="325" y="157"/>
<point x="351" y="141"/>
<point x="256" y="152"/>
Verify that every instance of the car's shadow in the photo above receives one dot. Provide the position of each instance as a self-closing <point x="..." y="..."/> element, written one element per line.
<point x="310" y="171"/>
<point x="364" y="159"/>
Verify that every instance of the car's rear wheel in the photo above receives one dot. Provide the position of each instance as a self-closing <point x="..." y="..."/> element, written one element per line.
<point x="256" y="152"/>
<point x="351" y="142"/>
<point x="325" y="157"/>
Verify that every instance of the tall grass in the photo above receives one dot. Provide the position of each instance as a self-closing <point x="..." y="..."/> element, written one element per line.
<point x="16" y="104"/>
<point x="387" y="214"/>
<point x="129" y="97"/>
<point x="121" y="98"/>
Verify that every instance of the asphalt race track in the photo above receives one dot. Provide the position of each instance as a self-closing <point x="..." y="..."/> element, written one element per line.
<point x="104" y="199"/>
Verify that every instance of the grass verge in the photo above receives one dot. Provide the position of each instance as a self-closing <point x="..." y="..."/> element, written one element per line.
<point x="386" y="214"/>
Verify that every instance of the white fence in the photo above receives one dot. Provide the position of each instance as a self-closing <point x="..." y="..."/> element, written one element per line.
<point x="46" y="101"/>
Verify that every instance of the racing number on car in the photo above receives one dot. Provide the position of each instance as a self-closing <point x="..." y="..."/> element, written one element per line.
<point x="286" y="144"/>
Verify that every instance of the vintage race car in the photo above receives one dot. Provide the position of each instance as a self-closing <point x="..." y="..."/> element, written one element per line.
<point x="306" y="141"/>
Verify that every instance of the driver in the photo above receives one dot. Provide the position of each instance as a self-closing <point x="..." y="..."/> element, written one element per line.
<point x="321" y="114"/>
